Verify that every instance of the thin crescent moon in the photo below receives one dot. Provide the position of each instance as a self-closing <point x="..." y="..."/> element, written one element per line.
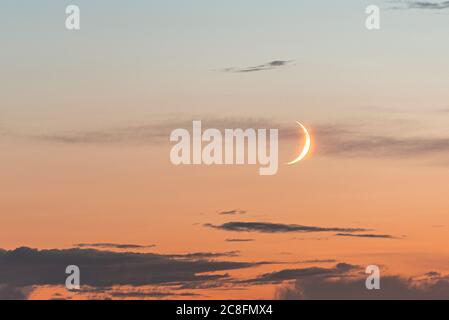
<point x="306" y="148"/>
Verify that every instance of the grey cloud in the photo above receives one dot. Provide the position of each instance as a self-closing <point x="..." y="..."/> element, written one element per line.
<point x="392" y="288"/>
<point x="319" y="261"/>
<point x="127" y="292"/>
<point x="386" y="146"/>
<point x="292" y="274"/>
<point x="113" y="246"/>
<point x="266" y="227"/>
<point x="156" y="133"/>
<point x="239" y="240"/>
<point x="312" y="239"/>
<point x="347" y="140"/>
<point x="150" y="294"/>
<point x="335" y="140"/>
<point x="433" y="274"/>
<point x="10" y="292"/>
<point x="434" y="5"/>
<point x="205" y="255"/>
<point x="381" y="236"/>
<point x="131" y="134"/>
<point x="232" y="212"/>
<point x="262" y="67"/>
<point x="223" y="284"/>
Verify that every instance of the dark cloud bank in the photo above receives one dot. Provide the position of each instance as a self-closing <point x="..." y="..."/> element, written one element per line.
<point x="392" y="288"/>
<point x="24" y="267"/>
<point x="103" y="271"/>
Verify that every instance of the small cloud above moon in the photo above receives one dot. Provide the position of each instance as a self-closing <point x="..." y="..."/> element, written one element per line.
<point x="275" y="64"/>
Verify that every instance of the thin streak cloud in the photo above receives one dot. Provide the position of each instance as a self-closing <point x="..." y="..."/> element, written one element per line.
<point x="275" y="64"/>
<point x="380" y="236"/>
<point x="331" y="140"/>
<point x="266" y="227"/>
<point x="113" y="246"/>
<point x="232" y="212"/>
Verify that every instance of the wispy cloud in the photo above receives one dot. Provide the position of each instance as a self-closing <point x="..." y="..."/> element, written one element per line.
<point x="267" y="227"/>
<point x="152" y="133"/>
<point x="432" y="5"/>
<point x="113" y="246"/>
<point x="239" y="240"/>
<point x="332" y="140"/>
<point x="345" y="141"/>
<point x="275" y="64"/>
<point x="318" y="261"/>
<point x="205" y="255"/>
<point x="232" y="212"/>
<point x="381" y="236"/>
<point x="156" y="133"/>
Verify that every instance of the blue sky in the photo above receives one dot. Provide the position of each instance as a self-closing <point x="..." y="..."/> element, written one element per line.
<point x="150" y="57"/>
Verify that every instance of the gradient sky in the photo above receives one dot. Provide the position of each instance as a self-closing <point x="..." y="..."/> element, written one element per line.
<point x="85" y="118"/>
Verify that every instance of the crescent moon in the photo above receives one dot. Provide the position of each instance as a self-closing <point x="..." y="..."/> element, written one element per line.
<point x="306" y="148"/>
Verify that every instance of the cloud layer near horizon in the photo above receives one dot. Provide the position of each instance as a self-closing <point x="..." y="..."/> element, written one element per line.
<point x="391" y="288"/>
<point x="137" y="273"/>
<point x="26" y="267"/>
